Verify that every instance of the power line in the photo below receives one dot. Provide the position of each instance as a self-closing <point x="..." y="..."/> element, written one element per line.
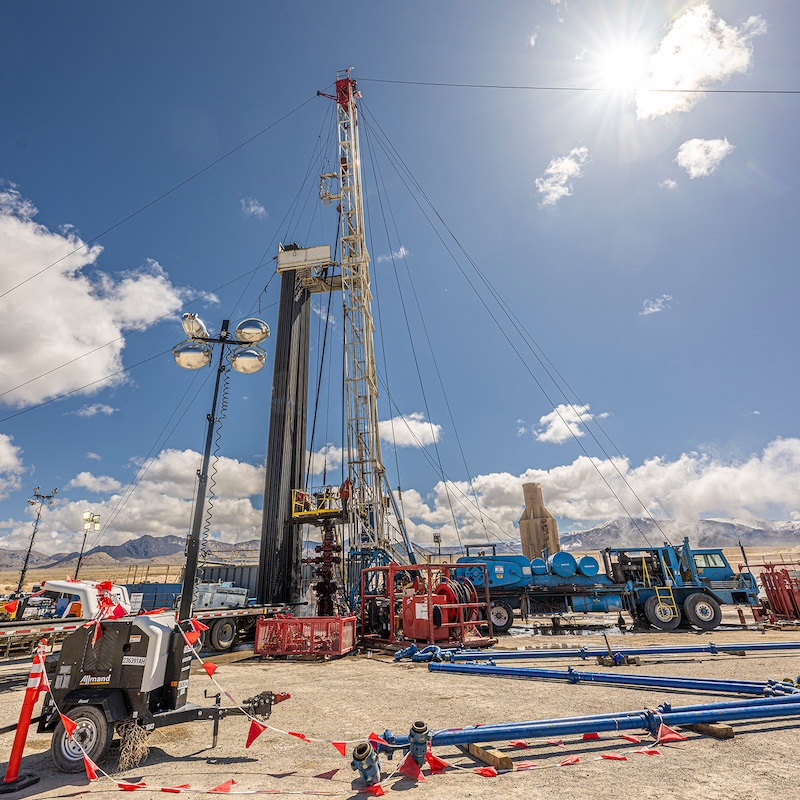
<point x="576" y="88"/>
<point x="159" y="198"/>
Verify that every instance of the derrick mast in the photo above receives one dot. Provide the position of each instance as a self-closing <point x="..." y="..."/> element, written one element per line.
<point x="365" y="465"/>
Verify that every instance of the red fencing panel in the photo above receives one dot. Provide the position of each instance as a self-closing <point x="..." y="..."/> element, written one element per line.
<point x="318" y="636"/>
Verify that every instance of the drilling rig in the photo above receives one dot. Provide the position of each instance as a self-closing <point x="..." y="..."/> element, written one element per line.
<point x="353" y="517"/>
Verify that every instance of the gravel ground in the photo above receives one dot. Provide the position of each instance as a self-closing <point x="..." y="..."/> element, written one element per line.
<point x="348" y="698"/>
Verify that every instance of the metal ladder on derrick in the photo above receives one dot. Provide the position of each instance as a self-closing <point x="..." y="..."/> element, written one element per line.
<point x="665" y="597"/>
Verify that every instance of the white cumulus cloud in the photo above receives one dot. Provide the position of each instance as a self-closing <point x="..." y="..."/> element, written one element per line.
<point x="252" y="208"/>
<point x="563" y="423"/>
<point x="328" y="458"/>
<point x="561" y="171"/>
<point x="694" y="486"/>
<point x="699" y="51"/>
<point x="656" y="305"/>
<point x="401" y="252"/>
<point x="29" y="365"/>
<point x="668" y="184"/>
<point x="11" y="466"/>
<point x="94" y="409"/>
<point x="409" y="430"/>
<point x="101" y="484"/>
<point x="700" y="157"/>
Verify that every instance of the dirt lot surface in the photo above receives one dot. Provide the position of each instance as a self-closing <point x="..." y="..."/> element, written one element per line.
<point x="346" y="699"/>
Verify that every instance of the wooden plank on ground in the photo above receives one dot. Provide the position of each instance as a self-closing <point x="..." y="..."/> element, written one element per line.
<point x="717" y="730"/>
<point x="489" y="755"/>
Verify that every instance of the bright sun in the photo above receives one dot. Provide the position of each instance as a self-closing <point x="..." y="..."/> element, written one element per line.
<point x="622" y="67"/>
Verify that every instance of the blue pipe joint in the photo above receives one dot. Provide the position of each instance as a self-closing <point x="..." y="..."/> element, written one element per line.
<point x="406" y="652"/>
<point x="389" y="738"/>
<point x="572" y="676"/>
<point x="418" y="738"/>
<point x="365" y="761"/>
<point x="430" y="653"/>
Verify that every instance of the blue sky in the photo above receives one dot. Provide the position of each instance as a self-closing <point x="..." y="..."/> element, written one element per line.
<point x="645" y="240"/>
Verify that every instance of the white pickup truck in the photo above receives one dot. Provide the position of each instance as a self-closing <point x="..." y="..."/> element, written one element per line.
<point x="59" y="608"/>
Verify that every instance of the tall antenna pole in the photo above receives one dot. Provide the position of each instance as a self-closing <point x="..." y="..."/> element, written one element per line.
<point x="37" y="500"/>
<point x="361" y="385"/>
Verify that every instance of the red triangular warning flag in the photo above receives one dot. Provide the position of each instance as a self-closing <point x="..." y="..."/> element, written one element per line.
<point x="341" y="747"/>
<point x="175" y="789"/>
<point x="131" y="787"/>
<point x="11" y="608"/>
<point x="487" y="772"/>
<point x="91" y="768"/>
<point x="630" y="737"/>
<point x="210" y="667"/>
<point x="191" y="637"/>
<point x="374" y="739"/>
<point x="589" y="736"/>
<point x="411" y="769"/>
<point x="224" y="787"/>
<point x="524" y="765"/>
<point x="118" y="611"/>
<point x="436" y="764"/>
<point x="69" y="725"/>
<point x="105" y="586"/>
<point x="299" y="735"/>
<point x="197" y="625"/>
<point x="614" y="756"/>
<point x="647" y="751"/>
<point x="559" y="742"/>
<point x="327" y="775"/>
<point x="666" y="734"/>
<point x="377" y="790"/>
<point x="519" y="744"/>
<point x="256" y="729"/>
<point x="98" y="632"/>
<point x="570" y="760"/>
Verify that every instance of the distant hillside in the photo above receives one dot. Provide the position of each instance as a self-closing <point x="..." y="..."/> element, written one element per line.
<point x="624" y="532"/>
<point x="14" y="559"/>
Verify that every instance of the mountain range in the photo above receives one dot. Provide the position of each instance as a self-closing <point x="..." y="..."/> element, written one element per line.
<point x="621" y="532"/>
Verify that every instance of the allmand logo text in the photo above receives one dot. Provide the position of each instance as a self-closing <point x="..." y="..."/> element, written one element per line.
<point x="92" y="680"/>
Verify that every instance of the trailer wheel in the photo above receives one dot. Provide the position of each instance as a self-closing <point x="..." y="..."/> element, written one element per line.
<point x="702" y="611"/>
<point x="660" y="615"/>
<point x="92" y="736"/>
<point x="502" y="616"/>
<point x="222" y="635"/>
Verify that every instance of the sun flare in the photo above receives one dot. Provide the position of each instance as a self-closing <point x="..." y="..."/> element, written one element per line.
<point x="621" y="67"/>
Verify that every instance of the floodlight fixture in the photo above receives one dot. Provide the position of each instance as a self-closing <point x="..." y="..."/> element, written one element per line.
<point x="192" y="354"/>
<point x="248" y="360"/>
<point x="252" y="331"/>
<point x="194" y="327"/>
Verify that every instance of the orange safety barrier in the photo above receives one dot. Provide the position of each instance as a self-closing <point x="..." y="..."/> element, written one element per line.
<point x="37" y="682"/>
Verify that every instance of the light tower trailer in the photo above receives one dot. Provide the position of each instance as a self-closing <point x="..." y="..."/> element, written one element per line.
<point x="136" y="671"/>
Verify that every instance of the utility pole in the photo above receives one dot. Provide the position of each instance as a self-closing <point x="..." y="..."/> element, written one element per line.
<point x="37" y="500"/>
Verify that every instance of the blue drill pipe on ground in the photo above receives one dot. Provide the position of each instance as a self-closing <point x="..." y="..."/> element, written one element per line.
<point x="766" y="688"/>
<point x="713" y="649"/>
<point x="646" y="720"/>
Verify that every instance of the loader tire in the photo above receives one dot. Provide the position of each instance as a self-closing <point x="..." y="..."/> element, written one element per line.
<point x="702" y="611"/>
<point x="92" y="736"/>
<point x="660" y="615"/>
<point x="222" y="635"/>
<point x="502" y="616"/>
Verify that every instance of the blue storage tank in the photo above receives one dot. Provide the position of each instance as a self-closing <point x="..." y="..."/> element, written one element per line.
<point x="562" y="564"/>
<point x="588" y="566"/>
<point x="539" y="566"/>
<point x="603" y="602"/>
